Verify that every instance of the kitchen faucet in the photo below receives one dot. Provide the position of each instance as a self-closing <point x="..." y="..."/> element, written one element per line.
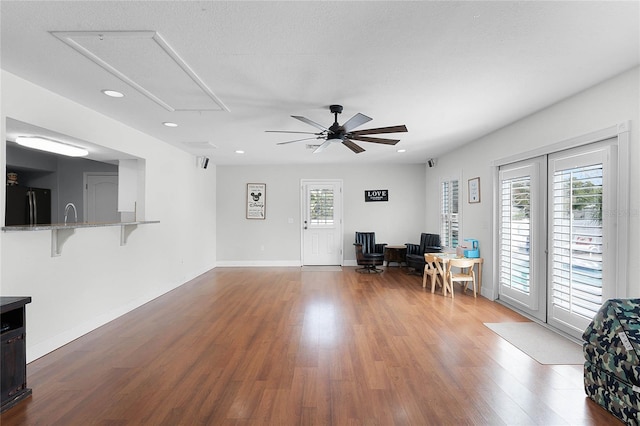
<point x="66" y="211"/>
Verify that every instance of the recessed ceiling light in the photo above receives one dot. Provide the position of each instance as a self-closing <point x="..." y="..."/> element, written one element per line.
<point x="401" y="150"/>
<point x="170" y="124"/>
<point x="113" y="93"/>
<point x="49" y="145"/>
<point x="239" y="151"/>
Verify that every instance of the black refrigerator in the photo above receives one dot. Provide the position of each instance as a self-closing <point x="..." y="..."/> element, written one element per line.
<point x="27" y="206"/>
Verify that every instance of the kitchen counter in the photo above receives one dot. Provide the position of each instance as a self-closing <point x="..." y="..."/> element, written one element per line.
<point x="52" y="226"/>
<point x="60" y="232"/>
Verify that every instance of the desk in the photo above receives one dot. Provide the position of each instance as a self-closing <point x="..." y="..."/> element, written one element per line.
<point x="396" y="254"/>
<point x="478" y="261"/>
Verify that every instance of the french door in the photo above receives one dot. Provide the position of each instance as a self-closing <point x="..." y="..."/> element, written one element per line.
<point x="556" y="245"/>
<point x="321" y="222"/>
<point x="582" y="243"/>
<point x="522" y="236"/>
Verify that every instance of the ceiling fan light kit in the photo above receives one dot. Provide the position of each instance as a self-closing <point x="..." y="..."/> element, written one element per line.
<point x="344" y="133"/>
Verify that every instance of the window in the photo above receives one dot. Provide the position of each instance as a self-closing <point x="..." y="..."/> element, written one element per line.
<point x="449" y="217"/>
<point x="321" y="206"/>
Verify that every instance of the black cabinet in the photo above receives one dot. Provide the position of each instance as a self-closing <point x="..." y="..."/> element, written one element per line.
<point x="13" y="366"/>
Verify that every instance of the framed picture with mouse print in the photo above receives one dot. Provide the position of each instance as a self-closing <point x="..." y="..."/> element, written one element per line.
<point x="256" y="200"/>
<point x="474" y="190"/>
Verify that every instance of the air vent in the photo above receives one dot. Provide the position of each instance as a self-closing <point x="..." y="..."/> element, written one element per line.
<point x="312" y="146"/>
<point x="200" y="145"/>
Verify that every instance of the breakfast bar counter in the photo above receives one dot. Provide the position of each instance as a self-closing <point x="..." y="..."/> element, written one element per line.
<point x="60" y="232"/>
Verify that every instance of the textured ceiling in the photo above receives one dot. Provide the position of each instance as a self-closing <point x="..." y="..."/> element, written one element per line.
<point x="451" y="71"/>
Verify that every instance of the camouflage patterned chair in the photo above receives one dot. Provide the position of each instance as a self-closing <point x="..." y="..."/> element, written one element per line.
<point x="612" y="359"/>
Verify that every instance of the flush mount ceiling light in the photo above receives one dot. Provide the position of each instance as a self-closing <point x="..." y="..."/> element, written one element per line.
<point x="49" y="145"/>
<point x="113" y="93"/>
<point x="170" y="124"/>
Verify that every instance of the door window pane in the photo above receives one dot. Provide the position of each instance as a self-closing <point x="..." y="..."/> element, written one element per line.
<point x="577" y="241"/>
<point x="321" y="206"/>
<point x="515" y="228"/>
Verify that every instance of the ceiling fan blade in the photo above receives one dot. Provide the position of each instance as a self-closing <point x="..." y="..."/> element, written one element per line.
<point x="297" y="140"/>
<point x="375" y="140"/>
<point x="353" y="146"/>
<point x="322" y="147"/>
<point x="355" y="121"/>
<point x="312" y="123"/>
<point x="391" y="129"/>
<point x="290" y="131"/>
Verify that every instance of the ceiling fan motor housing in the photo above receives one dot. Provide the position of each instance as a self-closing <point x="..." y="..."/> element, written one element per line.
<point x="336" y="131"/>
<point x="335" y="109"/>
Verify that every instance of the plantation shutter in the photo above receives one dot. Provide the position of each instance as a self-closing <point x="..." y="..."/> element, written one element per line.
<point x="449" y="216"/>
<point x="515" y="229"/>
<point x="577" y="239"/>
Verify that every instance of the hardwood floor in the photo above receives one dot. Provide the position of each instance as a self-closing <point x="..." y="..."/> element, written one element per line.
<point x="277" y="346"/>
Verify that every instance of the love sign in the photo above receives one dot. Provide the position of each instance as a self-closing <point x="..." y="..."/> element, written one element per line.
<point x="376" y="195"/>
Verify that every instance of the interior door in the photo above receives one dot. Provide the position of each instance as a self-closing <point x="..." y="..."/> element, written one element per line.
<point x="321" y="222"/>
<point x="522" y="236"/>
<point x="101" y="198"/>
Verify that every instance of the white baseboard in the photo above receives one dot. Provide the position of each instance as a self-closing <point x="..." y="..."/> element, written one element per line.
<point x="256" y="263"/>
<point x="267" y="263"/>
<point x="51" y="344"/>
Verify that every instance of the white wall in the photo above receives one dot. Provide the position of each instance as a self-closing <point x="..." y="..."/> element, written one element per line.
<point x="95" y="280"/>
<point x="398" y="221"/>
<point x="605" y="105"/>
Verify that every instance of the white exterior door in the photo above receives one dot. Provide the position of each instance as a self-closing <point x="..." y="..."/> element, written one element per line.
<point x="522" y="236"/>
<point x="557" y="239"/>
<point x="101" y="198"/>
<point x="582" y="243"/>
<point x="321" y="222"/>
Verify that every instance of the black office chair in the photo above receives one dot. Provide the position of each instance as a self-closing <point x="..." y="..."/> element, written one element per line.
<point x="368" y="253"/>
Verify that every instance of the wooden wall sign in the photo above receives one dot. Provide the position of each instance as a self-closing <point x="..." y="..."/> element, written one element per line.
<point x="256" y="200"/>
<point x="376" y="195"/>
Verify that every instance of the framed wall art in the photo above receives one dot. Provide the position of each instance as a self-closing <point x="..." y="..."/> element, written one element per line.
<point x="474" y="190"/>
<point x="256" y="200"/>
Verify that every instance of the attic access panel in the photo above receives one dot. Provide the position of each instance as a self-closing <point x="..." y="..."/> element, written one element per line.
<point x="146" y="62"/>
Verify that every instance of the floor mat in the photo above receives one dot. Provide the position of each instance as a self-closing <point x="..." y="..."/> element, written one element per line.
<point x="539" y="343"/>
<point x="322" y="269"/>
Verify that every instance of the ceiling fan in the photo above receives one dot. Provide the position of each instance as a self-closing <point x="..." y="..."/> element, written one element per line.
<point x="344" y="133"/>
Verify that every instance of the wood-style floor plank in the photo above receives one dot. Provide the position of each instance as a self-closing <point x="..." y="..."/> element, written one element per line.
<point x="279" y="346"/>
